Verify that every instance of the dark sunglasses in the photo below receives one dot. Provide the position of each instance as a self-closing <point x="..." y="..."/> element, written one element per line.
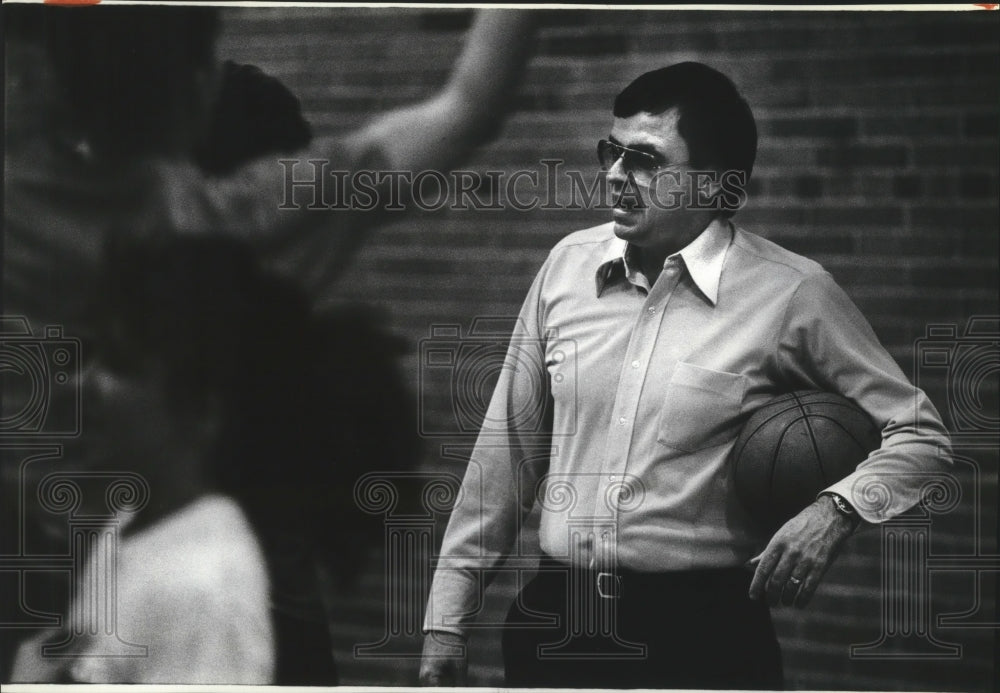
<point x="634" y="161"/>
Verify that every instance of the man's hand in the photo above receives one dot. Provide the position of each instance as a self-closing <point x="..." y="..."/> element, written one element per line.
<point x="444" y="662"/>
<point x="797" y="557"/>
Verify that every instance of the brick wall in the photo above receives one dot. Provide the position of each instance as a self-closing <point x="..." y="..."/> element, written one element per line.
<point x="878" y="158"/>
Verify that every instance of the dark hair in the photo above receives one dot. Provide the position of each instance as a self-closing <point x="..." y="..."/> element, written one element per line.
<point x="255" y="114"/>
<point x="715" y="121"/>
<point x="126" y="72"/>
<point x="310" y="403"/>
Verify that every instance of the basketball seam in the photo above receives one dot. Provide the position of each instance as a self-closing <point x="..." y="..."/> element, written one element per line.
<point x="749" y="437"/>
<point x="823" y="415"/>
<point x="812" y="437"/>
<point x="834" y="422"/>
<point x="771" y="467"/>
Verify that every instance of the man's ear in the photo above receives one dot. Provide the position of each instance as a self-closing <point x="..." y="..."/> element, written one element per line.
<point x="707" y="188"/>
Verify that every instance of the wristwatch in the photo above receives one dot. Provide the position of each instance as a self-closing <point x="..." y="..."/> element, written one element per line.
<point x="844" y="508"/>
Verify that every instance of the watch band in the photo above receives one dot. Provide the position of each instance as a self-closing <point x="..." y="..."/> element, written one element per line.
<point x="844" y="508"/>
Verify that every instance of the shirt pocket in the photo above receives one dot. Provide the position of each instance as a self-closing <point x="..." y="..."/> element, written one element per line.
<point x="701" y="408"/>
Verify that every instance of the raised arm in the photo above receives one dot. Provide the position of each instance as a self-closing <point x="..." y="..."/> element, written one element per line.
<point x="291" y="222"/>
<point x="469" y="110"/>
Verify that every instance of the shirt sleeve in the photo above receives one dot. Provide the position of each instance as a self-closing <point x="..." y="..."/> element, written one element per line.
<point x="510" y="456"/>
<point x="826" y="342"/>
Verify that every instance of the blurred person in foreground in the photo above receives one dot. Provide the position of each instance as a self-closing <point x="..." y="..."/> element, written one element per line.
<point x="146" y="131"/>
<point x="122" y="124"/>
<point x="207" y="375"/>
<point x="656" y="336"/>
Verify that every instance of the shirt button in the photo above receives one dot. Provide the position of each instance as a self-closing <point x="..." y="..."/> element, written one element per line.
<point x="651" y="310"/>
<point x="635" y="364"/>
<point x="622" y="420"/>
<point x="605" y="535"/>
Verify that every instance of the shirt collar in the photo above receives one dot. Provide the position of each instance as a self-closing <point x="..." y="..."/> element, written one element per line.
<point x="703" y="257"/>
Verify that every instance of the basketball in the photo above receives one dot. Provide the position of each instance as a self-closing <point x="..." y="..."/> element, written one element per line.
<point x="795" y="446"/>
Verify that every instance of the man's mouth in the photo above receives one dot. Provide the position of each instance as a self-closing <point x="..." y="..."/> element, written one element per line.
<point x="624" y="219"/>
<point x="624" y="208"/>
<point x="625" y="203"/>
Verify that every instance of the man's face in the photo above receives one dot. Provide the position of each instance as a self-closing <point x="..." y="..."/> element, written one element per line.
<point x="655" y="212"/>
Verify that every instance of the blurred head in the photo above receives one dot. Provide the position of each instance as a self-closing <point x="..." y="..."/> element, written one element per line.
<point x="289" y="409"/>
<point x="695" y="129"/>
<point x="197" y="320"/>
<point x="157" y="394"/>
<point x="137" y="80"/>
<point x="131" y="424"/>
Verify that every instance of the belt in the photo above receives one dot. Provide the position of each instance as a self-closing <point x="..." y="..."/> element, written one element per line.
<point x="613" y="583"/>
<point x="609" y="585"/>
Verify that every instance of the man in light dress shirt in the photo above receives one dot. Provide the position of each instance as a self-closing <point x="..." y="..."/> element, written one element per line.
<point x="657" y="335"/>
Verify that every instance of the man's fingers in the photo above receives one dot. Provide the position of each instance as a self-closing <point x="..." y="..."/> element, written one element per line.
<point x="438" y="675"/>
<point x="795" y="560"/>
<point x="765" y="564"/>
<point x="779" y="579"/>
<point x="797" y="585"/>
<point x="443" y="660"/>
<point x="812" y="580"/>
<point x="806" y="590"/>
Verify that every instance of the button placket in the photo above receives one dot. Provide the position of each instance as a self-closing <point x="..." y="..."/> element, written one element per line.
<point x="630" y="384"/>
<point x="637" y="359"/>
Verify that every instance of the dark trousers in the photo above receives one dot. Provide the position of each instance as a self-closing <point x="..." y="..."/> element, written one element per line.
<point x="692" y="629"/>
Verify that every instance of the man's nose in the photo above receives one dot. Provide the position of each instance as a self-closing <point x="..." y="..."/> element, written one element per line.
<point x="617" y="173"/>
